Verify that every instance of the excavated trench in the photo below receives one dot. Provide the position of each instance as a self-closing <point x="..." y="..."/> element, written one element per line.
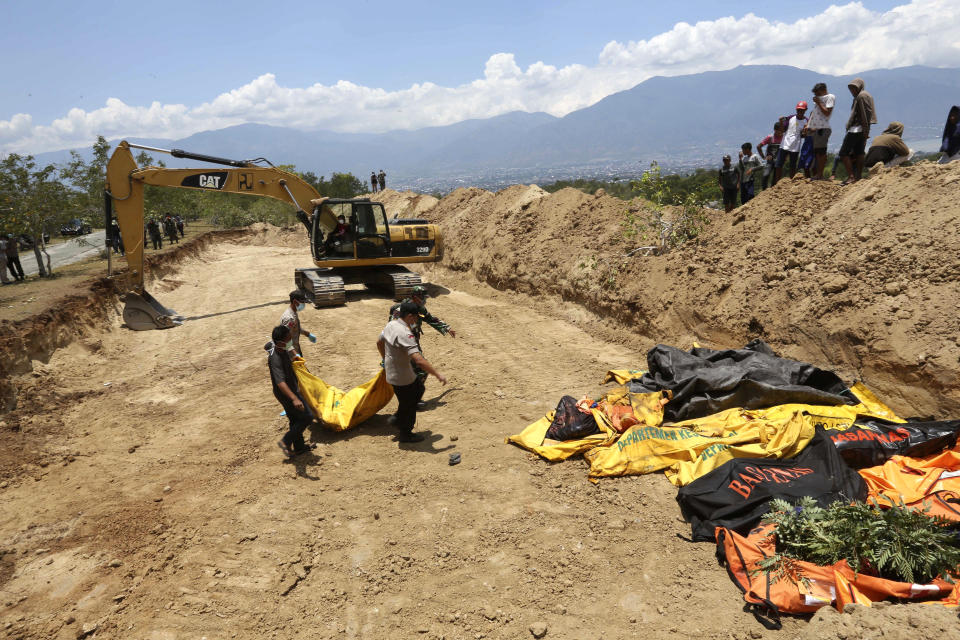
<point x="162" y="441"/>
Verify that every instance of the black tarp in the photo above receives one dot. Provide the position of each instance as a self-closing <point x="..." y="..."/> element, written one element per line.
<point x="707" y="381"/>
<point x="737" y="493"/>
<point x="872" y="441"/>
<point x="569" y="423"/>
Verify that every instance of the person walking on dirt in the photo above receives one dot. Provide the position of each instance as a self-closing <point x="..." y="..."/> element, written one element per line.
<point x="400" y="351"/>
<point x="950" y="147"/>
<point x="116" y="238"/>
<point x="291" y="320"/>
<point x="418" y="297"/>
<point x="179" y="220"/>
<point x="13" y="258"/>
<point x="819" y="126"/>
<point x="863" y="113"/>
<point x="729" y="181"/>
<point x="749" y="164"/>
<point x="286" y="390"/>
<point x="373" y="182"/>
<point x="154" y="230"/>
<point x="382" y="180"/>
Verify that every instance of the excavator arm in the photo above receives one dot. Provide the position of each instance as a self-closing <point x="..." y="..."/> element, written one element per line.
<point x="125" y="183"/>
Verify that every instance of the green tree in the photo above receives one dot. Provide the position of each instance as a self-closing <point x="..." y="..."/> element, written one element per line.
<point x="36" y="201"/>
<point x="344" y="185"/>
<point x="87" y="180"/>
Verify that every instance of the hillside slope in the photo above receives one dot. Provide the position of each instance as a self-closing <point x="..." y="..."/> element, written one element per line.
<point x="862" y="279"/>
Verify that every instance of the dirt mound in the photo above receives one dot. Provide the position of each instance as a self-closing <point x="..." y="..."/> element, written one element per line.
<point x="404" y="204"/>
<point x="860" y="279"/>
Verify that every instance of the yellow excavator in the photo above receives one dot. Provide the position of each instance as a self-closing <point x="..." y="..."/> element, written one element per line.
<point x="366" y="248"/>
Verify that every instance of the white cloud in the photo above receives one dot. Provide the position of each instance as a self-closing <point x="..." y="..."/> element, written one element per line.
<point x="840" y="40"/>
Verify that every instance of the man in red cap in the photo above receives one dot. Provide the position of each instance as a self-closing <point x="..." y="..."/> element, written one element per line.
<point x="792" y="140"/>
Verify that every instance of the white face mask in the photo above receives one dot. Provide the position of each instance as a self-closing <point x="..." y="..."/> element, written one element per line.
<point x="301" y="306"/>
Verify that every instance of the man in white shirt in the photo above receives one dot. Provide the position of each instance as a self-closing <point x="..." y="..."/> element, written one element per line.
<point x="792" y="140"/>
<point x="399" y="349"/>
<point x="819" y="126"/>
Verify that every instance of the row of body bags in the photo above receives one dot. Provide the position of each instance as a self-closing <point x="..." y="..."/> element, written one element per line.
<point x="735" y="429"/>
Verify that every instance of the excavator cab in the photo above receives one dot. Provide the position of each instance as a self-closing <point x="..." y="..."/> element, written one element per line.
<point x="367" y="235"/>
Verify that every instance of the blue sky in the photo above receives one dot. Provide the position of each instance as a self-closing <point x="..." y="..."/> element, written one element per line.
<point x="172" y="68"/>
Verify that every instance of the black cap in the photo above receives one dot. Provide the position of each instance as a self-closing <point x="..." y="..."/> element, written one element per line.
<point x="407" y="307"/>
<point x="298" y="295"/>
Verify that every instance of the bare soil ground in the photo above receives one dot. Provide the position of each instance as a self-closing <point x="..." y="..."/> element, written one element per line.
<point x="144" y="495"/>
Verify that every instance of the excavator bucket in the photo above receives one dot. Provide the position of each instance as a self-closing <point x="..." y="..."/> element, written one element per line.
<point x="142" y="312"/>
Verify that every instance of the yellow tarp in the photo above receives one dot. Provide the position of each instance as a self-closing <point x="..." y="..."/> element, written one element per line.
<point x="689" y="449"/>
<point x="534" y="439"/>
<point x="338" y="410"/>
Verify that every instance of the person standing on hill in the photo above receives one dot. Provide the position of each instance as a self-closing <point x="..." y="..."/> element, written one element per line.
<point x="863" y="113"/>
<point x="819" y="126"/>
<point x="749" y="164"/>
<point x="792" y="140"/>
<point x="291" y="320"/>
<point x="772" y="143"/>
<point x="401" y="352"/>
<point x="179" y="220"/>
<point x="382" y="180"/>
<point x="373" y="182"/>
<point x="951" y="137"/>
<point x="286" y="390"/>
<point x="729" y="181"/>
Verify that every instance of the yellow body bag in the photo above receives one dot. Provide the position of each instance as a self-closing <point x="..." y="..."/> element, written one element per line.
<point x="340" y="411"/>
<point x="534" y="439"/>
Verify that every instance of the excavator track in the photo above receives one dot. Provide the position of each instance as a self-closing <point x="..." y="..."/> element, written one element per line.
<point x="396" y="281"/>
<point x="323" y="287"/>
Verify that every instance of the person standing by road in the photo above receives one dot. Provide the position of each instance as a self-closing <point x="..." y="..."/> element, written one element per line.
<point x="863" y="113"/>
<point x="3" y="263"/>
<point x="750" y="164"/>
<point x="418" y="297"/>
<point x="729" y="181"/>
<point x="382" y="180"/>
<point x="13" y="258"/>
<point x="819" y="126"/>
<point x="286" y="390"/>
<point x="291" y="320"/>
<point x="400" y="351"/>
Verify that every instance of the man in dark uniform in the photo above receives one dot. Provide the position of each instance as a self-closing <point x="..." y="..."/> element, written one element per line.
<point x="155" y="237"/>
<point x="417" y="297"/>
<point x="287" y="392"/>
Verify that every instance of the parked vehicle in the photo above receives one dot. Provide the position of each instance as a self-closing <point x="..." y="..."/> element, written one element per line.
<point x="75" y="227"/>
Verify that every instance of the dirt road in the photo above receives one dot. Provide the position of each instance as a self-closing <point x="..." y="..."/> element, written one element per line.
<point x="163" y="509"/>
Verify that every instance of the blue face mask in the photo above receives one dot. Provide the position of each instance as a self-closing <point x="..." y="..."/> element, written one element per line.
<point x="301" y="306"/>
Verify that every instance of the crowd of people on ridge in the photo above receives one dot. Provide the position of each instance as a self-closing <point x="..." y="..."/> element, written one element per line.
<point x="799" y="142"/>
<point x="378" y="181"/>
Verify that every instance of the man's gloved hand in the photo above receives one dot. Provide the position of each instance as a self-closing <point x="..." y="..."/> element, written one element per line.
<point x="312" y="337"/>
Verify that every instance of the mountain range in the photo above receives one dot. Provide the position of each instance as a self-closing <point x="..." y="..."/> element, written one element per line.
<point x="679" y="121"/>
